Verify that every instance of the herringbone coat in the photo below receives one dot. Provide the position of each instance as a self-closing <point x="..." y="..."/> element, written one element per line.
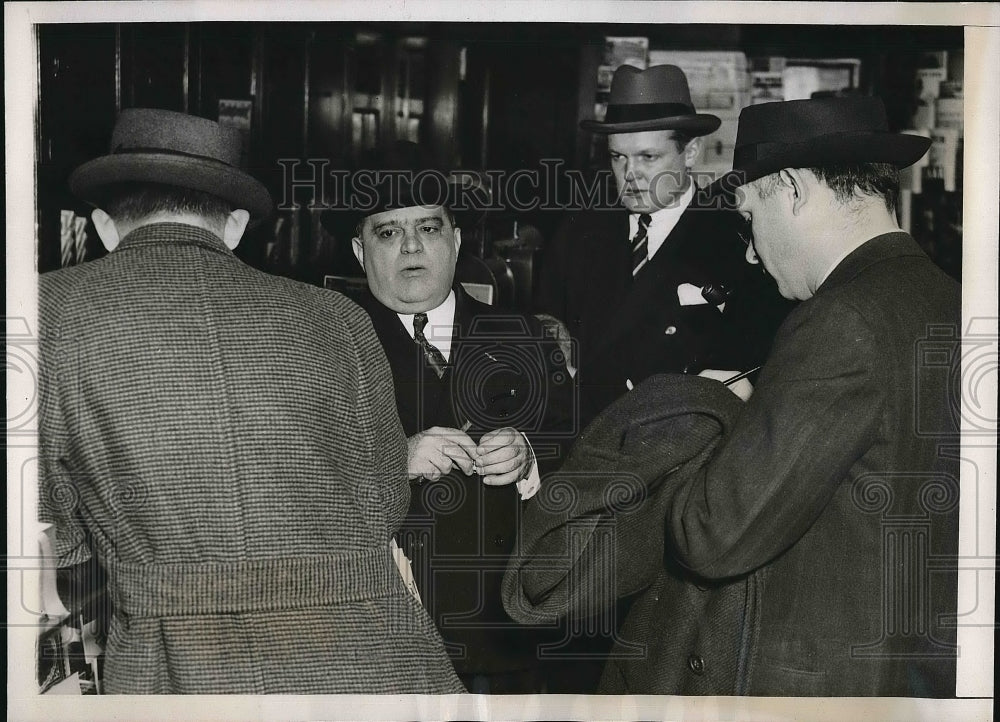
<point x="228" y="441"/>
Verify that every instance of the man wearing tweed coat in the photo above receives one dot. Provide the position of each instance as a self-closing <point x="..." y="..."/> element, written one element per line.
<point x="224" y="441"/>
<point x="804" y="544"/>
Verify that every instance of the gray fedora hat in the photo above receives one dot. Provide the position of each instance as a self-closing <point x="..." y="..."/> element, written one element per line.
<point x="163" y="146"/>
<point x="657" y="98"/>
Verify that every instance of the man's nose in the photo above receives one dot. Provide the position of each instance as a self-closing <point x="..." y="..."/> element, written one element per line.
<point x="411" y="242"/>
<point x="631" y="172"/>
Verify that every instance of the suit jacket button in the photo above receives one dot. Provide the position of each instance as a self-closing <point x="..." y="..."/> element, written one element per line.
<point x="697" y="664"/>
<point x="498" y="540"/>
<point x="670" y="330"/>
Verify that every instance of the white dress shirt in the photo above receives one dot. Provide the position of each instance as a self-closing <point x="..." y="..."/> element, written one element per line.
<point x="662" y="223"/>
<point x="440" y="325"/>
<point x="440" y="331"/>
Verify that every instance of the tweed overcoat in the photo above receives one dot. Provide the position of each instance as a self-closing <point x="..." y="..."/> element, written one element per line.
<point x="803" y="545"/>
<point x="458" y="534"/>
<point x="628" y="329"/>
<point x="226" y="442"/>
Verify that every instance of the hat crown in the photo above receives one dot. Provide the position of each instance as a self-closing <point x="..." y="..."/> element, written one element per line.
<point x="657" y="84"/>
<point x="795" y="121"/>
<point x="149" y="130"/>
<point x="816" y="132"/>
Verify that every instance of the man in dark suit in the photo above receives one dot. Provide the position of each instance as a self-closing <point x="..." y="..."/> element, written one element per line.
<point x="473" y="385"/>
<point x="662" y="287"/>
<point x="811" y="535"/>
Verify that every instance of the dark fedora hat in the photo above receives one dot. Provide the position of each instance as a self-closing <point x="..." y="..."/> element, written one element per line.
<point x="657" y="98"/>
<point x="397" y="175"/>
<point x="162" y="146"/>
<point x="814" y="133"/>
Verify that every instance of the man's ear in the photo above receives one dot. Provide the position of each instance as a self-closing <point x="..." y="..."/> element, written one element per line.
<point x="458" y="239"/>
<point x="236" y="225"/>
<point x="106" y="229"/>
<point x="359" y="251"/>
<point x="798" y="189"/>
<point x="691" y="152"/>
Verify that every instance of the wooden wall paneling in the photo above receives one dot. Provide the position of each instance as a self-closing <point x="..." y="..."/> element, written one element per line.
<point x="76" y="67"/>
<point x="155" y="55"/>
<point x="590" y="60"/>
<point x="330" y="95"/>
<point x="227" y="68"/>
<point x="440" y="122"/>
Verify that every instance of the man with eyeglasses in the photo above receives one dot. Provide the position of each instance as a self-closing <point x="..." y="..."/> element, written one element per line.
<point x="803" y="543"/>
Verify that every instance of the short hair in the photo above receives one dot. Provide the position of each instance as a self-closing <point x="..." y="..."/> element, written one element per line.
<point x="359" y="228"/>
<point x="132" y="202"/>
<point x="681" y="139"/>
<point x="849" y="180"/>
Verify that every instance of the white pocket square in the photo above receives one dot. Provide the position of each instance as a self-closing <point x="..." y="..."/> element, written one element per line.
<point x="690" y="295"/>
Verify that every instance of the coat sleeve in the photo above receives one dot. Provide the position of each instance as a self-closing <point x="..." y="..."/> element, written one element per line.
<point x="814" y="414"/>
<point x="58" y="493"/>
<point x="377" y="405"/>
<point x="560" y="421"/>
<point x="595" y="530"/>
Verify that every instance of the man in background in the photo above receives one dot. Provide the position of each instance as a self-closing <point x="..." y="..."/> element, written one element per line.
<point x="223" y="440"/>
<point x="661" y="285"/>
<point x="485" y="406"/>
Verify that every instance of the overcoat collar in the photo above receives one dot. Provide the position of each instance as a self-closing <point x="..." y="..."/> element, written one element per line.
<point x="879" y="248"/>
<point x="174" y="234"/>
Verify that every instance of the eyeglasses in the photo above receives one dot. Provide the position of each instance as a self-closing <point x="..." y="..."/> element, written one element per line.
<point x="745" y="231"/>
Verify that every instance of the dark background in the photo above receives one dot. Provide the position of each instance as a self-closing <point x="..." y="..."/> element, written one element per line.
<point x="497" y="96"/>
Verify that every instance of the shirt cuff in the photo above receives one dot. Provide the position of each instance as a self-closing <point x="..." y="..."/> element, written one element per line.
<point x="529" y="486"/>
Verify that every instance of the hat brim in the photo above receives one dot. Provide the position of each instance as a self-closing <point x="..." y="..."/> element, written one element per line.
<point x="467" y="205"/>
<point x="697" y="124"/>
<point x="900" y="149"/>
<point x="231" y="184"/>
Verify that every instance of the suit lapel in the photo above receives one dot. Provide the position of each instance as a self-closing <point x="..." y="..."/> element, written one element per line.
<point x="418" y="389"/>
<point x="653" y="291"/>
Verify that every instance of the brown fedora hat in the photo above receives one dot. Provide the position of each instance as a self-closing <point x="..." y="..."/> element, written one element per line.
<point x="813" y="133"/>
<point x="657" y="98"/>
<point x="163" y="146"/>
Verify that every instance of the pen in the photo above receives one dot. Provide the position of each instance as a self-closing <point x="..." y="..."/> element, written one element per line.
<point x="743" y="375"/>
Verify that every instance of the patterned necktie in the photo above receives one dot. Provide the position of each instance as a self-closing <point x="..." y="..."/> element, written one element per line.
<point x="434" y="357"/>
<point x="639" y="245"/>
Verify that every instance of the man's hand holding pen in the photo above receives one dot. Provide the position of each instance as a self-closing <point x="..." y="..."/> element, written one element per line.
<point x="737" y="382"/>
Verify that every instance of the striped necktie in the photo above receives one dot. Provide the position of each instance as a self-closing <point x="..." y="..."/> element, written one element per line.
<point x="639" y="245"/>
<point x="435" y="359"/>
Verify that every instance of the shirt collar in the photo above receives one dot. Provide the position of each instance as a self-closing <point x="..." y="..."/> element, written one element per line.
<point x="440" y="325"/>
<point x="662" y="223"/>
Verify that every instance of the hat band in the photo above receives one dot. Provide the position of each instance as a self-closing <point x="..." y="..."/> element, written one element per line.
<point x="168" y="151"/>
<point x="645" y="111"/>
